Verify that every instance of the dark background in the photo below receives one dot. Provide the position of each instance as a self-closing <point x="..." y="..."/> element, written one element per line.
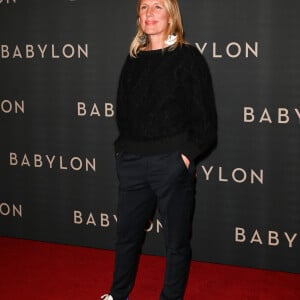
<point x="51" y="87"/>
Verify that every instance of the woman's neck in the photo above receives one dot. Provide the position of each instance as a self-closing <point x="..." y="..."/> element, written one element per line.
<point x="155" y="43"/>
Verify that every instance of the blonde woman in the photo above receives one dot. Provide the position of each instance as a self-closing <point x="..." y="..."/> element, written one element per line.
<point x="166" y="118"/>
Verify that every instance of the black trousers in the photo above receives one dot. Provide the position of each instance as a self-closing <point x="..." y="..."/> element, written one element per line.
<point x="147" y="182"/>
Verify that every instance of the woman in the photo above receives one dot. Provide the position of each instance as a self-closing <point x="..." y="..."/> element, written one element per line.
<point x="166" y="118"/>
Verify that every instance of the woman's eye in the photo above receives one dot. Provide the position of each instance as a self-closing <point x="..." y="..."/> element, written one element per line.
<point x="158" y="7"/>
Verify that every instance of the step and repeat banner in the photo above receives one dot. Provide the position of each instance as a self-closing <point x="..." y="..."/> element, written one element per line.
<point x="59" y="63"/>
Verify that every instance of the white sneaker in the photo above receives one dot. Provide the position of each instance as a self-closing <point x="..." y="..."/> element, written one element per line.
<point x="107" y="297"/>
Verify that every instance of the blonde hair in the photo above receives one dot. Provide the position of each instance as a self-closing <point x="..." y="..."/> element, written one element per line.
<point x="174" y="28"/>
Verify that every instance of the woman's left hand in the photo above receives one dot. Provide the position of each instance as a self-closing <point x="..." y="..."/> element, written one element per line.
<point x="185" y="160"/>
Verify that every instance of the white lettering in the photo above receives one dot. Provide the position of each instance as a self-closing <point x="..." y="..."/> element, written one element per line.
<point x="215" y="55"/>
<point x="248" y="114"/>
<point x="158" y="226"/>
<point x="104" y="220"/>
<point x="243" y="175"/>
<point x="231" y="50"/>
<point x="254" y="50"/>
<point x="54" y="55"/>
<point x="13" y="159"/>
<point x="256" y="238"/>
<point x="238" y="175"/>
<point x="273" y="239"/>
<point x="25" y="161"/>
<point x="8" y="1"/>
<point x="290" y="239"/>
<point x="109" y="110"/>
<point x="83" y="51"/>
<point x="94" y="110"/>
<point x="7" y="106"/>
<point x="81" y="111"/>
<point x="50" y="160"/>
<point x="17" y="53"/>
<point x="71" y="50"/>
<point x="240" y="236"/>
<point x="61" y="166"/>
<point x="259" y="177"/>
<point x="6" y="210"/>
<point x="201" y="49"/>
<point x="207" y="173"/>
<point x="38" y="160"/>
<point x="42" y="49"/>
<point x="31" y="51"/>
<point x="75" y="163"/>
<point x="91" y="220"/>
<point x="77" y="217"/>
<point x="284" y="115"/>
<point x="149" y="227"/>
<point x="221" y="179"/>
<point x="4" y="51"/>
<point x="90" y="164"/>
<point x="265" y="117"/>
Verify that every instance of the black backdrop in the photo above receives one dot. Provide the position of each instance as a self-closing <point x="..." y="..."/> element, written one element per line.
<point x="60" y="62"/>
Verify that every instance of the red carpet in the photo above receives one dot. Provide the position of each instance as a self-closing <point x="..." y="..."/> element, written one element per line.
<point x="44" y="271"/>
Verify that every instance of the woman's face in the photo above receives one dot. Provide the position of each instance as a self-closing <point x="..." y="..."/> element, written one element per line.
<point x="154" y="18"/>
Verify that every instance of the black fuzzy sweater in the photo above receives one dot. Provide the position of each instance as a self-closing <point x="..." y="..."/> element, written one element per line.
<point x="165" y="103"/>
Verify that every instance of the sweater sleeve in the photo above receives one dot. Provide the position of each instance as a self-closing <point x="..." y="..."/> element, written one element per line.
<point x="121" y="113"/>
<point x="202" y="131"/>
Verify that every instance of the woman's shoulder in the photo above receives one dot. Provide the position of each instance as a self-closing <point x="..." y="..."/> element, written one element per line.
<point x="191" y="54"/>
<point x="189" y="49"/>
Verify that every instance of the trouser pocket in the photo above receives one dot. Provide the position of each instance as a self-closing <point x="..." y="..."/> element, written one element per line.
<point x="190" y="169"/>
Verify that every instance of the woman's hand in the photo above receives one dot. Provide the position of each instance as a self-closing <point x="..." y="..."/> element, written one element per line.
<point x="185" y="160"/>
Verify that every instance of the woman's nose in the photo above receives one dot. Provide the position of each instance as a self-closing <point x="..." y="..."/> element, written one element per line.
<point x="149" y="12"/>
